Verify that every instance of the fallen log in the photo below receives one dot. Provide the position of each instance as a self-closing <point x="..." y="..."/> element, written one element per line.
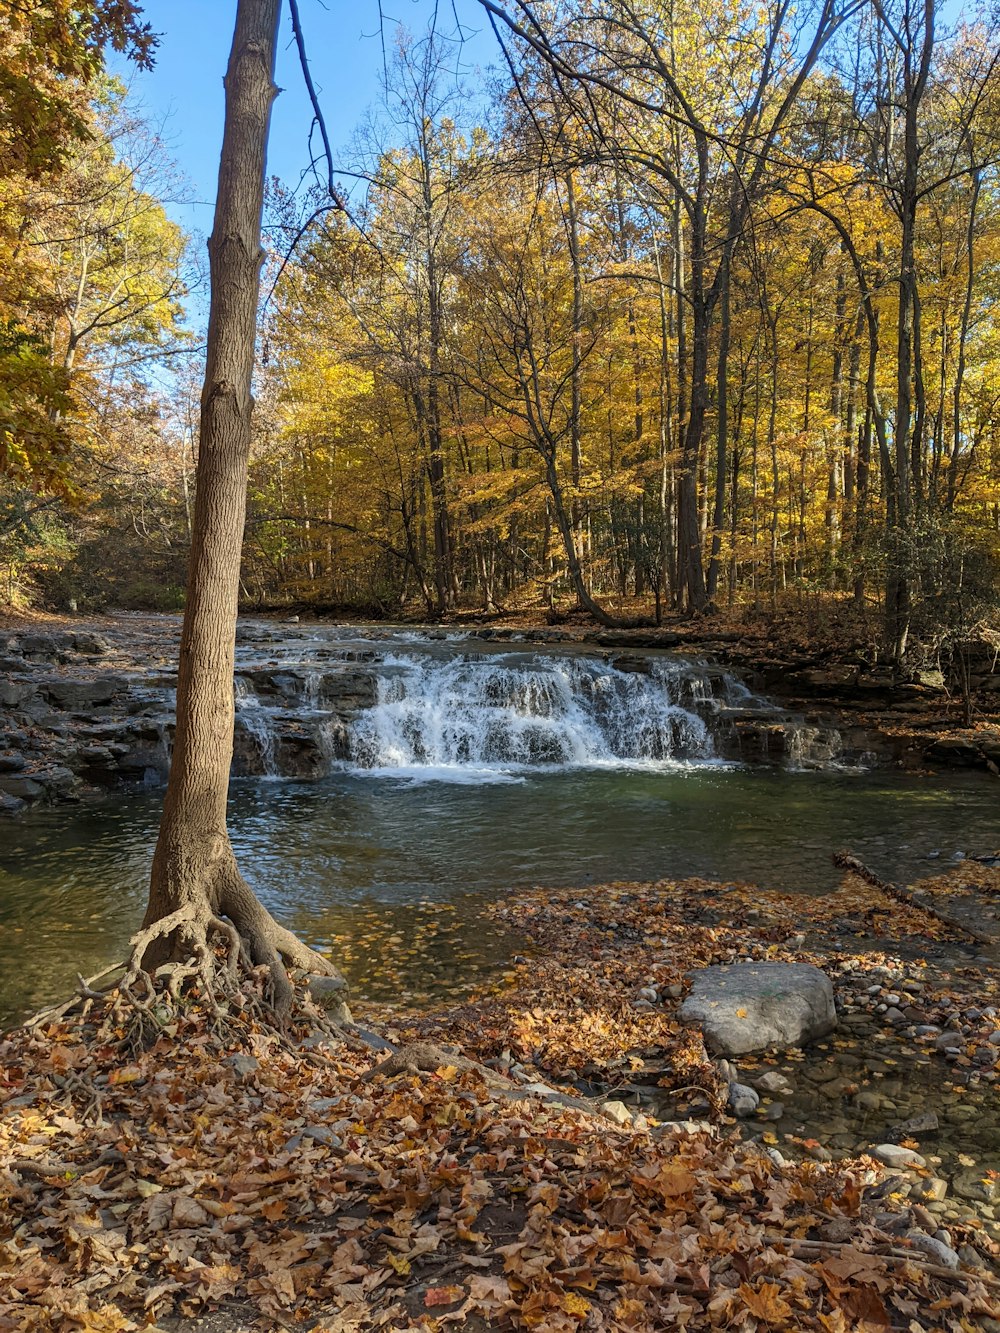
<point x="846" y="860"/>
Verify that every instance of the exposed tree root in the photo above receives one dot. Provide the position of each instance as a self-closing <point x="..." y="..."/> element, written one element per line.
<point x="197" y="904"/>
<point x="423" y="1057"/>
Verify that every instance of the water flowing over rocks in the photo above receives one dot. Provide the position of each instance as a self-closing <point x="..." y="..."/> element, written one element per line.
<point x="82" y="712"/>
<point x="753" y="1006"/>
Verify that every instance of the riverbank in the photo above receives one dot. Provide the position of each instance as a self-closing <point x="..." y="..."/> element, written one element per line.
<point x="86" y="705"/>
<point x="292" y="1182"/>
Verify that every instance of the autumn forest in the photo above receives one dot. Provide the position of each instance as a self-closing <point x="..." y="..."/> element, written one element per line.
<point x="671" y="311"/>
<point x="499" y="666"/>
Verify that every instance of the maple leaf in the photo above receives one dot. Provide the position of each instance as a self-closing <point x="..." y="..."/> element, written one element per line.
<point x="766" y="1303"/>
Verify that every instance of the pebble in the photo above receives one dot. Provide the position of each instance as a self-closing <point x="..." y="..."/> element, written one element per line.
<point x="892" y="1155"/>
<point x="868" y="1100"/>
<point x="932" y="1190"/>
<point x="773" y="1081"/>
<point x="617" y="1111"/>
<point x="936" y="1249"/>
<point x="820" y="1153"/>
<point x="243" y="1065"/>
<point x="743" y="1100"/>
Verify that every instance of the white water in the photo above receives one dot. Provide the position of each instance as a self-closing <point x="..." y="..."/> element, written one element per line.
<point x="256" y="721"/>
<point x="426" y="711"/>
<point x="480" y="715"/>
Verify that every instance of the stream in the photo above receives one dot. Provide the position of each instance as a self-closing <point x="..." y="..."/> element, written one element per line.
<point x="392" y="874"/>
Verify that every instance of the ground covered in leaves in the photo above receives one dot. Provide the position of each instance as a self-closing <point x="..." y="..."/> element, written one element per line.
<point x="287" y="1182"/>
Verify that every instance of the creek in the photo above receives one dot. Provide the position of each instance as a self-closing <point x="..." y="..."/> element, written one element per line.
<point x="391" y="784"/>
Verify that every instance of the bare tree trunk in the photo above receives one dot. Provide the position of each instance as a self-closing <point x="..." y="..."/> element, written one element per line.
<point x="722" y="439"/>
<point x="196" y="887"/>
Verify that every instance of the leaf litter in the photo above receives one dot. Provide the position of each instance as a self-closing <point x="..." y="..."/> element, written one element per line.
<point x="301" y="1180"/>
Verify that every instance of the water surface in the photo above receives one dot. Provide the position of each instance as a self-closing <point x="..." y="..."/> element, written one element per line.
<point x="393" y="874"/>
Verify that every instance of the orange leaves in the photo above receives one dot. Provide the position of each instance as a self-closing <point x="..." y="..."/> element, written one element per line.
<point x="766" y="1304"/>
<point x="435" y="1296"/>
<point x="438" y="1199"/>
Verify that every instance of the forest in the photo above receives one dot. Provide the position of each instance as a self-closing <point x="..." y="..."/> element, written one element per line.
<point x="499" y="670"/>
<point x="680" y="311"/>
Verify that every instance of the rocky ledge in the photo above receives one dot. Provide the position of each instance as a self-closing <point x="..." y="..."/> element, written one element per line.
<point x="88" y="708"/>
<point x="84" y="711"/>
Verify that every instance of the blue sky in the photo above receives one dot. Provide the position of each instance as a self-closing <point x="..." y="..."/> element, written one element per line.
<point x="184" y="90"/>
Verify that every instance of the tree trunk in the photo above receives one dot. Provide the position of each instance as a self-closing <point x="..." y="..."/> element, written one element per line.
<point x="196" y="885"/>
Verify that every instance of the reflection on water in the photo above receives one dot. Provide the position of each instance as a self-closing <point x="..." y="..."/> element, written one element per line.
<point x="393" y="875"/>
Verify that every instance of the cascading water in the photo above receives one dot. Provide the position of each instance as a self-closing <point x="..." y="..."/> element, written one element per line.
<point x="415" y="705"/>
<point x="255" y="720"/>
<point x="471" y="712"/>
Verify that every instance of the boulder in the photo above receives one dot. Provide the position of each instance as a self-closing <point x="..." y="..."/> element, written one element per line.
<point x="751" y="1006"/>
<point x="82" y="693"/>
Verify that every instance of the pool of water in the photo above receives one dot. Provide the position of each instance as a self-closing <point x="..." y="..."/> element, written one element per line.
<point x="393" y="875"/>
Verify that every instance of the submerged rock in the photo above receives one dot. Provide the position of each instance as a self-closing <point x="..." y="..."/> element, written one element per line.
<point x="743" y="1100"/>
<point x="751" y="1006"/>
<point x="895" y="1156"/>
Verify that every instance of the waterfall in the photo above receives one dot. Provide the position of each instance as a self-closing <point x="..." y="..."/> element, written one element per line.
<point x="471" y="712"/>
<point x="254" y="719"/>
<point x="423" y="705"/>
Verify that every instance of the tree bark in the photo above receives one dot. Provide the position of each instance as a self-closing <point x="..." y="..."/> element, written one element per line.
<point x="195" y="881"/>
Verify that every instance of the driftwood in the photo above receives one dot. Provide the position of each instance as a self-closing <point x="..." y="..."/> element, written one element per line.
<point x="846" y="860"/>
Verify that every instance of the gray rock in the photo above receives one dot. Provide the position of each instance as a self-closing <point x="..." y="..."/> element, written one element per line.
<point x="14" y="692"/>
<point x="948" y="1041"/>
<point x="22" y="787"/>
<point x="371" y="1039"/>
<point x="751" y="1006"/>
<point x="925" y="1123"/>
<point x="971" y="1257"/>
<point x="935" y="1249"/>
<point x="322" y="1134"/>
<point x="243" y="1065"/>
<point x="82" y="693"/>
<point x="976" y="1185"/>
<point x="932" y="1190"/>
<point x="869" y="1100"/>
<point x="773" y="1081"/>
<point x="330" y="995"/>
<point x="892" y="1155"/>
<point x="743" y="1100"/>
